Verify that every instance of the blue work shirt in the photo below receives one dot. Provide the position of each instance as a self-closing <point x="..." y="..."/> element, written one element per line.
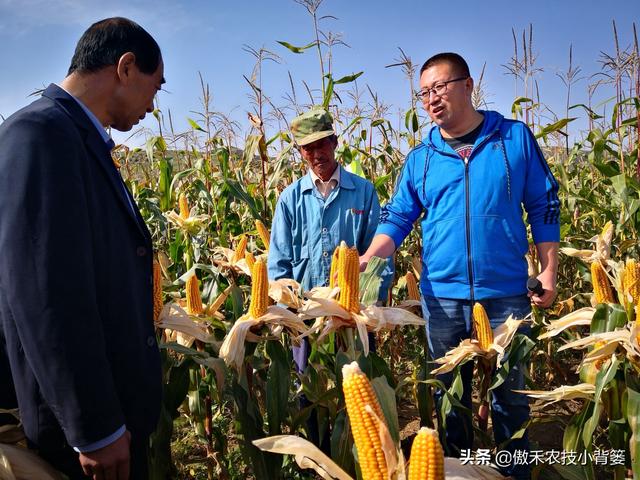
<point x="307" y="228"/>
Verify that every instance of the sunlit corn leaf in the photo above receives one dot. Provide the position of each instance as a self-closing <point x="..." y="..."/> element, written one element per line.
<point x="616" y="337"/>
<point x="225" y="257"/>
<point x="286" y="291"/>
<point x="564" y="392"/>
<point x="582" y="316"/>
<point x="306" y="455"/>
<point x="602" y="249"/>
<point x="323" y="305"/>
<point x="192" y="225"/>
<point x="19" y="463"/>
<point x="468" y="348"/>
<point x="276" y="318"/>
<point x="184" y="328"/>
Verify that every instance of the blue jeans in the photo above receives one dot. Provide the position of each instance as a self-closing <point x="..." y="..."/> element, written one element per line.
<point x="448" y="323"/>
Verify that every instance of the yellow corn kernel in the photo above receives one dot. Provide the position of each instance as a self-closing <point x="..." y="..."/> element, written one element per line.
<point x="333" y="280"/>
<point x="157" y="290"/>
<point x="638" y="323"/>
<point x="259" y="290"/>
<point x="349" y="278"/>
<point x="631" y="280"/>
<point x="250" y="259"/>
<point x="358" y="393"/>
<point x="184" y="206"/>
<point x="427" y="457"/>
<point x="263" y="232"/>
<point x="482" y="326"/>
<point x="194" y="300"/>
<point x="240" y="249"/>
<point x="413" y="293"/>
<point x="601" y="285"/>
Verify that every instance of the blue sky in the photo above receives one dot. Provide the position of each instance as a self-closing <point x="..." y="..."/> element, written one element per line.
<point x="38" y="38"/>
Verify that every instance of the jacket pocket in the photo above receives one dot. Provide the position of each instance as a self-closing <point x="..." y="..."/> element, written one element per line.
<point x="498" y="251"/>
<point x="446" y="251"/>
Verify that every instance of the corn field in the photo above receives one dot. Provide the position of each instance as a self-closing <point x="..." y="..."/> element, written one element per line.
<point x="226" y="332"/>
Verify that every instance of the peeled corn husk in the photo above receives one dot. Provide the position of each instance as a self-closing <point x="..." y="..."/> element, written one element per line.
<point x="18" y="463"/>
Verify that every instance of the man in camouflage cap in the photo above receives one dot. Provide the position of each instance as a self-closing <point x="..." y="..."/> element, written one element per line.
<point x="316" y="212"/>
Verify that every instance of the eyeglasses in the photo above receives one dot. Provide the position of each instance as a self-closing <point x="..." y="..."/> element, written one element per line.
<point x="439" y="89"/>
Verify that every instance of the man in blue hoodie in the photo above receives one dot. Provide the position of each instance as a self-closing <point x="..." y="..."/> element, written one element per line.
<point x="470" y="180"/>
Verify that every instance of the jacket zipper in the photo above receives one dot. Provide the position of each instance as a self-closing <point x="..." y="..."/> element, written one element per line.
<point x="468" y="216"/>
<point x="468" y="228"/>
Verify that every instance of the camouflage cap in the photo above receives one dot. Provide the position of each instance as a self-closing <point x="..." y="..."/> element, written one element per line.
<point x="312" y="125"/>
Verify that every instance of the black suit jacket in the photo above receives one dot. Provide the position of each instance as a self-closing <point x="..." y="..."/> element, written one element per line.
<point x="75" y="281"/>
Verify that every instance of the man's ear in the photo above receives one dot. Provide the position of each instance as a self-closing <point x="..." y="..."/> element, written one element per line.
<point x="124" y="69"/>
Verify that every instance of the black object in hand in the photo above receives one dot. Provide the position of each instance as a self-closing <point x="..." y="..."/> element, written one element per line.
<point x="535" y="286"/>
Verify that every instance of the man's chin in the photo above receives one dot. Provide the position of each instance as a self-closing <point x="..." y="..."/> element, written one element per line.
<point x="122" y="128"/>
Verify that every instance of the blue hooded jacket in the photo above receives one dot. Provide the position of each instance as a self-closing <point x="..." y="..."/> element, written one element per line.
<point x="473" y="233"/>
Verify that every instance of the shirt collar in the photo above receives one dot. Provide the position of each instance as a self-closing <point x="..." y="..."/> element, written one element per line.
<point x="344" y="181"/>
<point x="96" y="123"/>
<point x="334" y="176"/>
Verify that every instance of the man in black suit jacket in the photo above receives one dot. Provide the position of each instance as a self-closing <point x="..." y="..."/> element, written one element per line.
<point x="76" y="263"/>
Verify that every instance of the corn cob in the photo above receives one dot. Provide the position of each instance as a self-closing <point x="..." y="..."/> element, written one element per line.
<point x="157" y="290"/>
<point x="250" y="259"/>
<point x="631" y="280"/>
<point x="259" y="290"/>
<point x="349" y="278"/>
<point x="184" y="206"/>
<point x="601" y="286"/>
<point x="263" y="232"/>
<point x="194" y="301"/>
<point x="482" y="327"/>
<point x="358" y="393"/>
<point x="334" y="267"/>
<point x="638" y="322"/>
<point x="240" y="249"/>
<point x="427" y="458"/>
<point x="413" y="293"/>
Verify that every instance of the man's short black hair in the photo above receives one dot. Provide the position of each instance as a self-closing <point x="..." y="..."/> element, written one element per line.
<point x="106" y="41"/>
<point x="456" y="61"/>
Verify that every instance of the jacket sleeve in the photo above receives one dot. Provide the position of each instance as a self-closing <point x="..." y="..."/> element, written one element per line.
<point x="280" y="249"/>
<point x="48" y="278"/>
<point x="404" y="207"/>
<point x="373" y="218"/>
<point x="541" y="193"/>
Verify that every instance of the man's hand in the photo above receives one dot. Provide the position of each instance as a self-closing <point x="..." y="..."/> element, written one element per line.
<point x="548" y="281"/>
<point x="364" y="261"/>
<point x="110" y="462"/>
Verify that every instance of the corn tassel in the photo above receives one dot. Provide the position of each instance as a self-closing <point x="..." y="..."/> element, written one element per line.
<point x="157" y="290"/>
<point x="349" y="278"/>
<point x="259" y="290"/>
<point x="359" y="393"/>
<point x="250" y="259"/>
<point x="240" y="249"/>
<point x="601" y="285"/>
<point x="631" y="280"/>
<point x="427" y="457"/>
<point x="263" y="232"/>
<point x="184" y="206"/>
<point x="334" y="267"/>
<point x="194" y="300"/>
<point x="413" y="293"/>
<point x="482" y="326"/>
